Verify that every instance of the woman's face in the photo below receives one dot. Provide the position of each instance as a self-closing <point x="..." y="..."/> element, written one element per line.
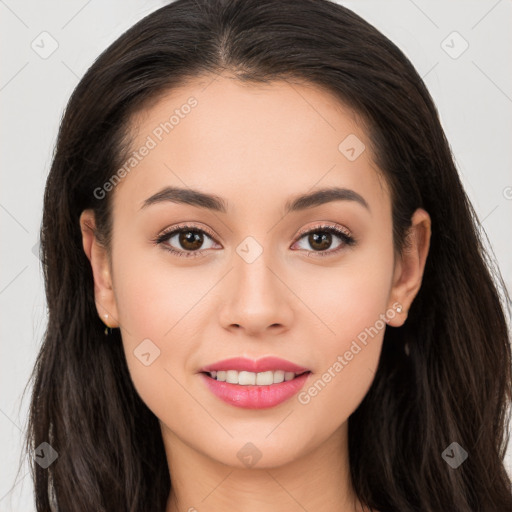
<point x="261" y="276"/>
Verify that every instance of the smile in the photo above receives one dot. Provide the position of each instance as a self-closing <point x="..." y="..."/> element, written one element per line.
<point x="244" y="378"/>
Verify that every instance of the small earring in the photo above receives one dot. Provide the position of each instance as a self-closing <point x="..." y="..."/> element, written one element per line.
<point x="399" y="309"/>
<point x="108" y="330"/>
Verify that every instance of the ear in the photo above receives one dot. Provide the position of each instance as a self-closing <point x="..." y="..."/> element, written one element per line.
<point x="98" y="257"/>
<point x="409" y="266"/>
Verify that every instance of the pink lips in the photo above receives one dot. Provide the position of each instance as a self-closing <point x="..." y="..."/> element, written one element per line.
<point x="261" y="365"/>
<point x="255" y="397"/>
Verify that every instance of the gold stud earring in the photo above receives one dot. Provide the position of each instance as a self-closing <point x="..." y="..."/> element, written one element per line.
<point x="108" y="329"/>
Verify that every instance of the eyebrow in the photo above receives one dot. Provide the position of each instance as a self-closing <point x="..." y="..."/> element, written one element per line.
<point x="187" y="196"/>
<point x="218" y="204"/>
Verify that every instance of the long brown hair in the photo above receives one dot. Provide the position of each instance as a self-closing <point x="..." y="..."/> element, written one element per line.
<point x="454" y="385"/>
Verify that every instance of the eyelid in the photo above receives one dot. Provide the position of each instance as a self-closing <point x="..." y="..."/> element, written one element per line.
<point x="183" y="226"/>
<point x="324" y="225"/>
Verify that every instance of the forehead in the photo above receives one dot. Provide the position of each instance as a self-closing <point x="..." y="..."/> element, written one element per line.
<point x="246" y="141"/>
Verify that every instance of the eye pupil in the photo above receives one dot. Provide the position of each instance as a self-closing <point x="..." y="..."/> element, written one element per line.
<point x="191" y="239"/>
<point x="325" y="240"/>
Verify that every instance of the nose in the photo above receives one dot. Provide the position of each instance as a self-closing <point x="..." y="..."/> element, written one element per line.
<point x="257" y="299"/>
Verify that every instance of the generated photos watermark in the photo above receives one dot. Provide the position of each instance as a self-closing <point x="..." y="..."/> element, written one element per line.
<point x="305" y="396"/>
<point x="151" y="142"/>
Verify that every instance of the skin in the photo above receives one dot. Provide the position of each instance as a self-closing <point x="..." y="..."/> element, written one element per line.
<point x="239" y="142"/>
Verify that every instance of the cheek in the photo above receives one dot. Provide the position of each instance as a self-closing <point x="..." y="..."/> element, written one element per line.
<point x="353" y="306"/>
<point x="156" y="304"/>
<point x="154" y="294"/>
<point x="349" y="298"/>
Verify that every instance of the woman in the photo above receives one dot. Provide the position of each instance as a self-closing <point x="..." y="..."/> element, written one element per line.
<point x="265" y="282"/>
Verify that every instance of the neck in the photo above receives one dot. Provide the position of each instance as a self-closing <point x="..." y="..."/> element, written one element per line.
<point x="319" y="480"/>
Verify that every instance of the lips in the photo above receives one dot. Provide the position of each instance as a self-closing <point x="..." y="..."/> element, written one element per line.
<point x="251" y="384"/>
<point x="255" y="397"/>
<point x="249" y="365"/>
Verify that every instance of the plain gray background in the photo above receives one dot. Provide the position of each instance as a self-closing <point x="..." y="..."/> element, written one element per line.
<point x="461" y="48"/>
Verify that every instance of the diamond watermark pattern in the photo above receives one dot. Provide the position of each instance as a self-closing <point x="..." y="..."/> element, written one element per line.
<point x="454" y="455"/>
<point x="454" y="45"/>
<point x="146" y="352"/>
<point x="45" y="455"/>
<point x="44" y="45"/>
<point x="249" y="455"/>
<point x="351" y="147"/>
<point x="36" y="249"/>
<point x="249" y="249"/>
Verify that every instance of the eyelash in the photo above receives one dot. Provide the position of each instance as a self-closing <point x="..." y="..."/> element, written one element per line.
<point x="347" y="239"/>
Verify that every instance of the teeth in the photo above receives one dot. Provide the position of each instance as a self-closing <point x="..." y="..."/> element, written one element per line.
<point x="244" y="378"/>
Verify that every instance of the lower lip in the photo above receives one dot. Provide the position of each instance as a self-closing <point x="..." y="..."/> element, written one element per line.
<point x="255" y="397"/>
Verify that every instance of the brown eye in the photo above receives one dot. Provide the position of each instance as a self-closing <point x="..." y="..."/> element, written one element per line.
<point x="186" y="241"/>
<point x="322" y="238"/>
<point x="190" y="240"/>
<point x="320" y="242"/>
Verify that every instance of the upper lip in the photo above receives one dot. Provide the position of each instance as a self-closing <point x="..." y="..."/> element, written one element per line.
<point x="249" y="365"/>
